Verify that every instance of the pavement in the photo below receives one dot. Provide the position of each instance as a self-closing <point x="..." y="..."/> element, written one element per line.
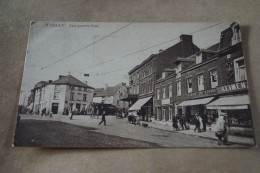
<point x="159" y="134"/>
<point x="207" y="134"/>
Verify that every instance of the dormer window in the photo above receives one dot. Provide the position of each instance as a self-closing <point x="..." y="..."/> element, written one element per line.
<point x="236" y="35"/>
<point x="199" y="58"/>
<point x="163" y="75"/>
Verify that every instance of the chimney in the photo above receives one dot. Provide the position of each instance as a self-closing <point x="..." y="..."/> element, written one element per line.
<point x="86" y="82"/>
<point x="123" y="84"/>
<point x="185" y="37"/>
<point x="50" y="81"/>
<point x="60" y="76"/>
<point x="106" y="86"/>
<point x="160" y="50"/>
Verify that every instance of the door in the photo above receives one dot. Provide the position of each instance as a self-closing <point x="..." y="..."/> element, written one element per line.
<point x="55" y="108"/>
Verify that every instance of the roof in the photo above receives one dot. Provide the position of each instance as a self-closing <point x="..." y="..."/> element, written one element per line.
<point x="41" y="84"/>
<point x="110" y="91"/>
<point x="70" y="80"/>
<point x="179" y="59"/>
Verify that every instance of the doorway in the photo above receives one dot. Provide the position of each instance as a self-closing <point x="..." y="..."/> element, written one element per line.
<point x="55" y="108"/>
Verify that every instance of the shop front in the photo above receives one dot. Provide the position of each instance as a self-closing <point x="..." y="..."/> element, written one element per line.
<point x="194" y="106"/>
<point x="238" y="110"/>
<point x="144" y="107"/>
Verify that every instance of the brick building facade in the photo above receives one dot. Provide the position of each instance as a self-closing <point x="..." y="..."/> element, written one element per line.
<point x="143" y="77"/>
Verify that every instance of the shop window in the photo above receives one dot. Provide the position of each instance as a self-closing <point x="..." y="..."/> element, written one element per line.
<point x="170" y="112"/>
<point x="178" y="88"/>
<point x="170" y="90"/>
<point x="56" y="95"/>
<point x="158" y="113"/>
<point x="158" y="93"/>
<point x="214" y="78"/>
<point x="200" y="82"/>
<point x="189" y="85"/>
<point x="163" y="114"/>
<point x="240" y="69"/>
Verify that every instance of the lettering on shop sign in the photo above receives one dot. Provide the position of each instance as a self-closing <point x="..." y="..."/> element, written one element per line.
<point x="206" y="92"/>
<point x="233" y="87"/>
<point x="165" y="101"/>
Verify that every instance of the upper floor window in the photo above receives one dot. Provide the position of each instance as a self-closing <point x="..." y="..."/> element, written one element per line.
<point x="236" y="35"/>
<point x="189" y="85"/>
<point x="214" y="78"/>
<point x="84" y="97"/>
<point x="178" y="83"/>
<point x="200" y="82"/>
<point x="240" y="69"/>
<point x="170" y="90"/>
<point x="199" y="58"/>
<point x="56" y="95"/>
<point x="79" y="97"/>
<point x="85" y="89"/>
<point x="164" y="92"/>
<point x="79" y="88"/>
<point x="178" y="68"/>
<point x="71" y="96"/>
<point x="158" y="94"/>
<point x="57" y="87"/>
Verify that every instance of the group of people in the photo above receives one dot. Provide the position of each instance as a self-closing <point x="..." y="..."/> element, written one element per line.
<point x="180" y="122"/>
<point x="200" y="122"/>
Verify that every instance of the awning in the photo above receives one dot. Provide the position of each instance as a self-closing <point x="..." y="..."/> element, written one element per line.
<point x="230" y="103"/>
<point x="97" y="99"/>
<point x="139" y="103"/>
<point x="196" y="102"/>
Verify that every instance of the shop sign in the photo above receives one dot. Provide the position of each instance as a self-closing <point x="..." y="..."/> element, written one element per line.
<point x="165" y="101"/>
<point x="205" y="92"/>
<point x="233" y="87"/>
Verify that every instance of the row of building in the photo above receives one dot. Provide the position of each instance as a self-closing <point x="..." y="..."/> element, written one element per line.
<point x="184" y="79"/>
<point x="69" y="93"/>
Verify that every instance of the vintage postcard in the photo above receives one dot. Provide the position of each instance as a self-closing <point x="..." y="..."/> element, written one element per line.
<point x="134" y="85"/>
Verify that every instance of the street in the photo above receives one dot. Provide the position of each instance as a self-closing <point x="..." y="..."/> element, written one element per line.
<point x="84" y="132"/>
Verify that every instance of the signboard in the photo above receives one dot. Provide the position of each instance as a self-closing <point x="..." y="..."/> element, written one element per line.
<point x="205" y="92"/>
<point x="165" y="101"/>
<point x="232" y="87"/>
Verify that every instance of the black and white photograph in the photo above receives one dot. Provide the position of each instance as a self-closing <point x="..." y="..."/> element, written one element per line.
<point x="134" y="85"/>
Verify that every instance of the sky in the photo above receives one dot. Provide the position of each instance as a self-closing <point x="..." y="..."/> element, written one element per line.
<point x="100" y="49"/>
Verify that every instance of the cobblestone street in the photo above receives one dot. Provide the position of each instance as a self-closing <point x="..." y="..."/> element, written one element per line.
<point x="128" y="135"/>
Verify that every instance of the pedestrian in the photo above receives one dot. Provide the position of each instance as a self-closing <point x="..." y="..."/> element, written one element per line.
<point x="51" y="114"/>
<point x="174" y="123"/>
<point x="183" y="122"/>
<point x="72" y="113"/>
<point x="197" y="122"/>
<point x="221" y="129"/>
<point x="103" y="118"/>
<point x="204" y="122"/>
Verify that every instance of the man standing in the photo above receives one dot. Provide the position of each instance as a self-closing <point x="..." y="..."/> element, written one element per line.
<point x="197" y="122"/>
<point x="221" y="129"/>
<point x="103" y="116"/>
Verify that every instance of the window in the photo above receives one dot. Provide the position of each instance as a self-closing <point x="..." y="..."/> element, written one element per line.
<point x="137" y="89"/>
<point x="84" y="97"/>
<point x="170" y="112"/>
<point x="158" y="93"/>
<point x="71" y="96"/>
<point x="214" y="78"/>
<point x="189" y="85"/>
<point x="170" y="90"/>
<point x="163" y="75"/>
<point x="72" y="87"/>
<point x="57" y="87"/>
<point x="178" y="68"/>
<point x="178" y="88"/>
<point x="56" y="95"/>
<point x="200" y="82"/>
<point x="163" y="114"/>
<point x="79" y="88"/>
<point x="158" y="113"/>
<point x="236" y="35"/>
<point x="164" y="92"/>
<point x="240" y="69"/>
<point x="199" y="58"/>
<point x="79" y="97"/>
<point x="85" y="89"/>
